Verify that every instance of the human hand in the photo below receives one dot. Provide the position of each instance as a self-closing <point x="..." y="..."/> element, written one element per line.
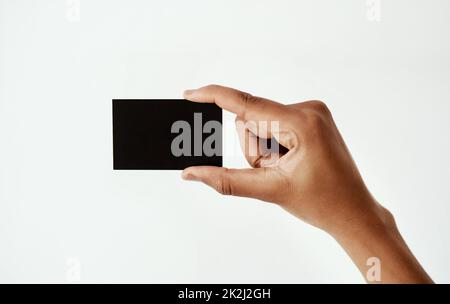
<point x="313" y="177"/>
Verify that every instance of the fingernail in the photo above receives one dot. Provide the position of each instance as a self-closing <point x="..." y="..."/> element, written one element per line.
<point x="188" y="92"/>
<point x="186" y="175"/>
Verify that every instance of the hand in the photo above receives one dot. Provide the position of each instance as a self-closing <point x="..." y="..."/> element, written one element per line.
<point x="315" y="180"/>
<point x="313" y="177"/>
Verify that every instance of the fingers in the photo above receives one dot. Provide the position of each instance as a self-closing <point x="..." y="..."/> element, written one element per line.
<point x="258" y="183"/>
<point x="263" y="117"/>
<point x="249" y="143"/>
<point x="244" y="105"/>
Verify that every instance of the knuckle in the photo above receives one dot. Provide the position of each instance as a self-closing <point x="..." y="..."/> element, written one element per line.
<point x="319" y="116"/>
<point x="316" y="121"/>
<point x="247" y="99"/>
<point x="320" y="107"/>
<point x="223" y="185"/>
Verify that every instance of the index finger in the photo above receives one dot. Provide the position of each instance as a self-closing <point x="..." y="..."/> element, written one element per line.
<point x="244" y="105"/>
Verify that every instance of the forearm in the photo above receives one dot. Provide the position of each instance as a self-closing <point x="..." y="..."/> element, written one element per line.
<point x="378" y="241"/>
<point x="314" y="177"/>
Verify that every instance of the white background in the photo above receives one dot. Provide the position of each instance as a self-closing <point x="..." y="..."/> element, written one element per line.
<point x="65" y="215"/>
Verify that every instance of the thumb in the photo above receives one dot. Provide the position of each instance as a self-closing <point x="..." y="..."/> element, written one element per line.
<point x="258" y="183"/>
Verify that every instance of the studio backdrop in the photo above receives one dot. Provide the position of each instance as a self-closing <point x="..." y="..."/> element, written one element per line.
<point x="382" y="67"/>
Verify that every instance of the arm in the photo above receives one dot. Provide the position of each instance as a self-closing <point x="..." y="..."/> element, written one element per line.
<point x="378" y="243"/>
<point x="312" y="176"/>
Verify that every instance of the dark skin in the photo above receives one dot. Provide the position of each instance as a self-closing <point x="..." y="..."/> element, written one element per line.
<point x="314" y="178"/>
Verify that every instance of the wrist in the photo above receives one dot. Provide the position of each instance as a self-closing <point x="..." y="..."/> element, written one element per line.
<point x="376" y="236"/>
<point x="373" y="220"/>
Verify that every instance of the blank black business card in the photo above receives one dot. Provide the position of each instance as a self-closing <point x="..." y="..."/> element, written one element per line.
<point x="166" y="134"/>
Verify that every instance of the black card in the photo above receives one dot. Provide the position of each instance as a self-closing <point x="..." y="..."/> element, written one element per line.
<point x="166" y="134"/>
